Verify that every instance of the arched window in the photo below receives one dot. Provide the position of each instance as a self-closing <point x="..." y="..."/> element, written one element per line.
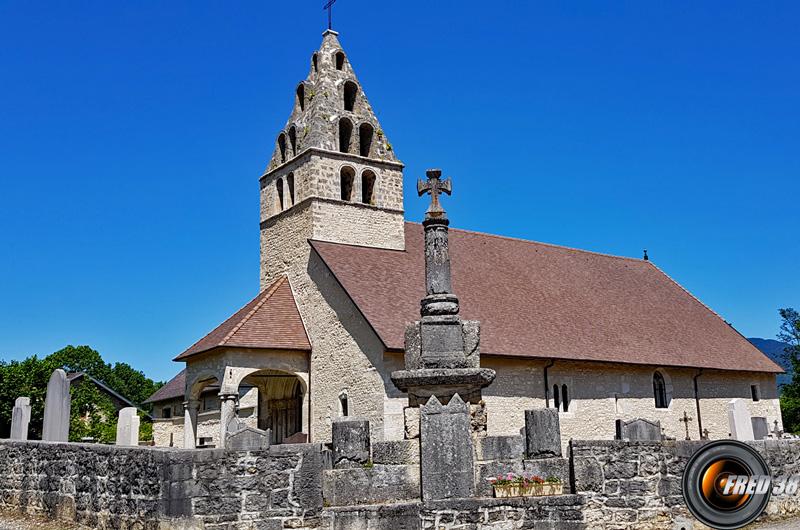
<point x="301" y="96"/>
<point x="344" y="406"/>
<point x="346" y="176"/>
<point x="282" y="146"/>
<point x="565" y="398"/>
<point x="556" y="399"/>
<point x="279" y="188"/>
<point x="314" y="62"/>
<point x="290" y="185"/>
<point x="293" y="139"/>
<point x="345" y="134"/>
<point x="350" y="92"/>
<point x="368" y="187"/>
<point x="365" y="139"/>
<point x="660" y="391"/>
<point x="339" y="60"/>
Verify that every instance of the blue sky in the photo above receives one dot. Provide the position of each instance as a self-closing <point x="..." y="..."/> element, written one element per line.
<point x="132" y="136"/>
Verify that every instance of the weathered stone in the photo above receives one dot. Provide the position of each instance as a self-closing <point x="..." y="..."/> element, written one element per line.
<point x="471" y="330"/>
<point x="443" y="383"/>
<point x="128" y="427"/>
<point x="411" y="422"/>
<point x="351" y="442"/>
<point x="246" y="438"/>
<point x="760" y="427"/>
<point x="550" y="467"/>
<point x="542" y="433"/>
<point x="56" y="408"/>
<point x="370" y="485"/>
<point x="638" y="430"/>
<point x="446" y="450"/>
<point x="739" y="420"/>
<point x="413" y="355"/>
<point x="500" y="448"/>
<point x="20" y="418"/>
<point x="396" y="452"/>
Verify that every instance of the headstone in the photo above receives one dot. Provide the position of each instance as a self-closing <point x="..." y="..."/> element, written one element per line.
<point x="20" y="418"/>
<point x="56" y="408"/>
<point x="639" y="430"/>
<point x="446" y="452"/>
<point x="242" y="437"/>
<point x="739" y="419"/>
<point x="542" y="433"/>
<point x="760" y="427"/>
<point x="350" y="442"/>
<point x="128" y="427"/>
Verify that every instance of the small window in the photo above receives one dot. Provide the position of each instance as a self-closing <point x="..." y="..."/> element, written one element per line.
<point x="339" y="59"/>
<point x="564" y="398"/>
<point x="282" y="146"/>
<point x="755" y="392"/>
<point x="556" y="399"/>
<point x="314" y="62"/>
<point x="365" y="139"/>
<point x="166" y="412"/>
<point x="301" y="96"/>
<point x="293" y="139"/>
<point x="350" y="92"/>
<point x="347" y="176"/>
<point x="279" y="188"/>
<point x="660" y="391"/>
<point x="368" y="187"/>
<point x="344" y="406"/>
<point x="290" y="185"/>
<point x="345" y="134"/>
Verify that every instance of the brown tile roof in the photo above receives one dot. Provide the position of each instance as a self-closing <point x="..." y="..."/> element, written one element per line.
<point x="174" y="388"/>
<point x="546" y="301"/>
<point x="270" y="320"/>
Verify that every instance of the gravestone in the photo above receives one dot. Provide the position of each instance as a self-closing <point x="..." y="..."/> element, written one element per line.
<point x="446" y="450"/>
<point x="760" y="427"/>
<point x="350" y="442"/>
<point x="242" y="437"/>
<point x="128" y="427"/>
<point x="639" y="430"/>
<point x="56" y="408"/>
<point x="542" y="433"/>
<point x="20" y="418"/>
<point x="739" y="419"/>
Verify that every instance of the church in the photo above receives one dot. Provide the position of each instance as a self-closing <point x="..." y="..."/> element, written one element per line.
<point x="595" y="336"/>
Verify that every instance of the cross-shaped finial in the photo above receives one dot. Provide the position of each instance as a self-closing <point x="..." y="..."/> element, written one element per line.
<point x="329" y="6"/>
<point x="686" y="419"/>
<point x="434" y="186"/>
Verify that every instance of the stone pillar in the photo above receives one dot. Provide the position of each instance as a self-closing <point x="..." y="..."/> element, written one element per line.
<point x="57" y="408"/>
<point x="227" y="411"/>
<point x="446" y="452"/>
<point x="542" y="433"/>
<point x="20" y="418"/>
<point x="351" y="442"/>
<point x="190" y="409"/>
<point x="128" y="427"/>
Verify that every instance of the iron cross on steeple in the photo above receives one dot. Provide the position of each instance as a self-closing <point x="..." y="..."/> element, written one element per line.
<point x="329" y="6"/>
<point x="434" y="186"/>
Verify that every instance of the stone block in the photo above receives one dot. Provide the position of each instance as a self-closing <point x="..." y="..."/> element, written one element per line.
<point x="739" y="419"/>
<point x="638" y="430"/>
<point x="370" y="485"/>
<point x="550" y="467"/>
<point x="401" y="452"/>
<point x="351" y="442"/>
<point x="128" y="427"/>
<point x="56" y="408"/>
<point x="471" y="330"/>
<point x="413" y="358"/>
<point x="500" y="448"/>
<point x="411" y="422"/>
<point x="246" y="438"/>
<point x="20" y="418"/>
<point x="542" y="433"/>
<point x="446" y="452"/>
<point x="442" y="342"/>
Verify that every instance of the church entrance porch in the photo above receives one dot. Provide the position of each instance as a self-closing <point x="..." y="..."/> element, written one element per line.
<point x="280" y="405"/>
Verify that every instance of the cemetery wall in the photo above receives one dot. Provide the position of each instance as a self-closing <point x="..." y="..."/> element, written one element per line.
<point x="637" y="485"/>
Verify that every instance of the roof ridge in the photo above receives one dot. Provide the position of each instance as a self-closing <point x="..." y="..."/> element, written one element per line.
<point x="551" y="245"/>
<point x="684" y="289"/>
<point x="266" y="296"/>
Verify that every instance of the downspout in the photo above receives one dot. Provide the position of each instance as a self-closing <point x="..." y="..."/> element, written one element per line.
<point x="547" y="384"/>
<point x="697" y="403"/>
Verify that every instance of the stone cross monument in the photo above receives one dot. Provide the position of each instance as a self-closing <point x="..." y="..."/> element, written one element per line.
<point x="442" y="352"/>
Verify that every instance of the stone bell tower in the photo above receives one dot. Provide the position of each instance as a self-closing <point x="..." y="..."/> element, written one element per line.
<point x="333" y="175"/>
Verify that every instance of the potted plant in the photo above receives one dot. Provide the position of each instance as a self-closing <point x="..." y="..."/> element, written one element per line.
<point x="514" y="485"/>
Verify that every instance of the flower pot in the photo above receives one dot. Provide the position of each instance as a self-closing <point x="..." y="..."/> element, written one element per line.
<point x="533" y="490"/>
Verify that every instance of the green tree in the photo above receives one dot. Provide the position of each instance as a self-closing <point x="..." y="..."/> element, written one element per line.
<point x="790" y="393"/>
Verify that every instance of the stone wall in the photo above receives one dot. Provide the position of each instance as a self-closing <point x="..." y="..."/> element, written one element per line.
<point x="637" y="485"/>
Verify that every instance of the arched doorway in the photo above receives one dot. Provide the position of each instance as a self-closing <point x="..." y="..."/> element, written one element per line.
<point x="280" y="404"/>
